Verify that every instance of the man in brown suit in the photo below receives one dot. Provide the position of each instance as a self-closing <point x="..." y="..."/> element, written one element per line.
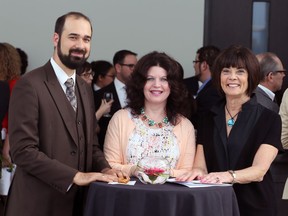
<point x="55" y="146"/>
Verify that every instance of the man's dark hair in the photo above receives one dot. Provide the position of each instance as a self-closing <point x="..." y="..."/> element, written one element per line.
<point x="61" y="21"/>
<point x="120" y="56"/>
<point x="24" y="60"/>
<point x="208" y="54"/>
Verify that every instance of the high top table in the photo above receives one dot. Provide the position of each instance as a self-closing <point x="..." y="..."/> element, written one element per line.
<point x="156" y="200"/>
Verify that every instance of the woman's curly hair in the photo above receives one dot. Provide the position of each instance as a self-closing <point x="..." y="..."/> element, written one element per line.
<point x="10" y="62"/>
<point x="177" y="102"/>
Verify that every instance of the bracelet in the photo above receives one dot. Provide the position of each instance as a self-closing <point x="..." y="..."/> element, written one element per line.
<point x="233" y="174"/>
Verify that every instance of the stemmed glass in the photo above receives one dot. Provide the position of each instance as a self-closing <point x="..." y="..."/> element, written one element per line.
<point x="108" y="96"/>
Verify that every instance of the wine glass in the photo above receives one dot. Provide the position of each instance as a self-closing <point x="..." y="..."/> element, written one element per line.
<point x="108" y="96"/>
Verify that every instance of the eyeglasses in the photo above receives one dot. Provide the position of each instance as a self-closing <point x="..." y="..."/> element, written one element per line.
<point x="280" y="71"/>
<point x="283" y="72"/>
<point x="131" y="66"/>
<point x="88" y="74"/>
<point x="196" y="61"/>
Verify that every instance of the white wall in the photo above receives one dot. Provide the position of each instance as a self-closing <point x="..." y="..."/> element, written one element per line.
<point x="175" y="27"/>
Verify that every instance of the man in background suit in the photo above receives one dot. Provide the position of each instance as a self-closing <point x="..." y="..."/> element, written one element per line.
<point x="193" y="83"/>
<point x="54" y="144"/>
<point x="272" y="74"/>
<point x="207" y="95"/>
<point x="124" y="62"/>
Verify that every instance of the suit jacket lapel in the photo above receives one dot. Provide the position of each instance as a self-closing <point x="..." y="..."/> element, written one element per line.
<point x="60" y="100"/>
<point x="263" y="93"/>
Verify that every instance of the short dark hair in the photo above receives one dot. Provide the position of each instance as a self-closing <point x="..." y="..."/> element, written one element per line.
<point x="208" y="54"/>
<point x="83" y="68"/>
<point x="61" y="21"/>
<point x="24" y="60"/>
<point x="239" y="57"/>
<point x="120" y="56"/>
<point x="177" y="102"/>
<point x="100" y="68"/>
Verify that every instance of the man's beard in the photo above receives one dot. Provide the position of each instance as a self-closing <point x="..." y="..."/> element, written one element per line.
<point x="72" y="62"/>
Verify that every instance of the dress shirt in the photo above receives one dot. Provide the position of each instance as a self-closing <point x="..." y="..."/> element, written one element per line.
<point x="267" y="91"/>
<point x="61" y="75"/>
<point x="121" y="92"/>
<point x="62" y="78"/>
<point x="202" y="85"/>
<point x="96" y="87"/>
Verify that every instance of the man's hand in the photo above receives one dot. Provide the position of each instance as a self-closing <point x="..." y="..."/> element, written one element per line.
<point x="82" y="179"/>
<point x="114" y="172"/>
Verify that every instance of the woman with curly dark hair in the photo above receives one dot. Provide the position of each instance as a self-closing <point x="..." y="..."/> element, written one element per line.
<point x="154" y="122"/>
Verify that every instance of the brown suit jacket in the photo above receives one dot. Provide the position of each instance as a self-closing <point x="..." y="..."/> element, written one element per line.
<point x="44" y="144"/>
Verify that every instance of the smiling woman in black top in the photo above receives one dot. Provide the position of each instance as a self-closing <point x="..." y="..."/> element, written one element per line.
<point x="238" y="139"/>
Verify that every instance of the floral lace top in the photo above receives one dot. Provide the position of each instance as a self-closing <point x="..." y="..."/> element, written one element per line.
<point x="146" y="141"/>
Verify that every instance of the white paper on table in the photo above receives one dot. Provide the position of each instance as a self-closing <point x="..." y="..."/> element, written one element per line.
<point x="195" y="183"/>
<point x="128" y="183"/>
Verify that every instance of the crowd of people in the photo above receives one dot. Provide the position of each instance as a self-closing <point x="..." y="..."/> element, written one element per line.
<point x="72" y="122"/>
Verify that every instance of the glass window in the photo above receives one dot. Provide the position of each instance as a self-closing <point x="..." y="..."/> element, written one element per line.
<point x="260" y="31"/>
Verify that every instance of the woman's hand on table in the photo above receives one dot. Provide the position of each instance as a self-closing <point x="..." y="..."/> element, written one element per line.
<point x="217" y="177"/>
<point x="195" y="173"/>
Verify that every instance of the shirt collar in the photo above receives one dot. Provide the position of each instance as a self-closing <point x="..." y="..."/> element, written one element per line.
<point x="96" y="87"/>
<point x="118" y="84"/>
<point x="60" y="73"/>
<point x="267" y="91"/>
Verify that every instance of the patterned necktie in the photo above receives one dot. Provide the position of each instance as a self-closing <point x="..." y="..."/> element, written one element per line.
<point x="70" y="93"/>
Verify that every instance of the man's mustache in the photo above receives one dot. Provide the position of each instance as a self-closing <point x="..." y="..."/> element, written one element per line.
<point x="82" y="51"/>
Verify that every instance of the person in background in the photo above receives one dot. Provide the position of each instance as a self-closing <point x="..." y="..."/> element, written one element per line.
<point x="4" y="101"/>
<point x="10" y="69"/>
<point x="24" y="60"/>
<point x="272" y="74"/>
<point x="153" y="123"/>
<point x="86" y="73"/>
<point x="284" y="117"/>
<point x="193" y="83"/>
<point x="124" y="62"/>
<point x="271" y="79"/>
<point x="52" y="130"/>
<point x="207" y="95"/>
<point x="104" y="74"/>
<point x="244" y="136"/>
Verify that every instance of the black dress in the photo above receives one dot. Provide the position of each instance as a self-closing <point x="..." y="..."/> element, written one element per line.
<point x="255" y="125"/>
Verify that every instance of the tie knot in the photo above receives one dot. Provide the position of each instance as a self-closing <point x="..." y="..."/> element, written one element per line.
<point x="69" y="83"/>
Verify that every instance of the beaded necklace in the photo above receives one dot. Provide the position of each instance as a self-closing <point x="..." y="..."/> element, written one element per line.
<point x="151" y="122"/>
